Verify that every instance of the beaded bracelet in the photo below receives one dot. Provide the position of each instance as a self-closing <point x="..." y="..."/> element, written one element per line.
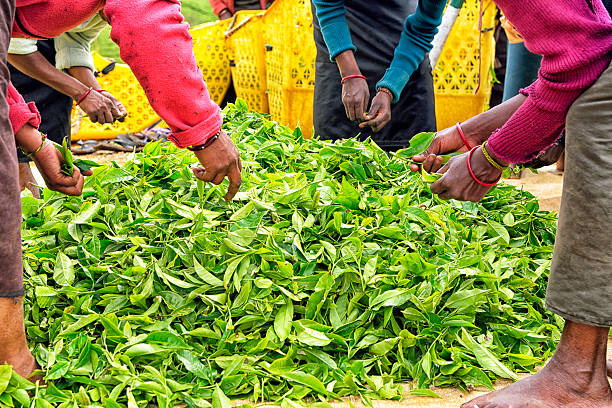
<point x="87" y="92"/>
<point x="42" y="143"/>
<point x="346" y="78"/>
<point x="469" y="166"/>
<point x="490" y="159"/>
<point x="207" y="143"/>
<point x="463" y="138"/>
<point x="387" y="91"/>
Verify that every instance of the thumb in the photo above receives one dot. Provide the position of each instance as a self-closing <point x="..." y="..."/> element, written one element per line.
<point x="443" y="169"/>
<point x="434" y="148"/>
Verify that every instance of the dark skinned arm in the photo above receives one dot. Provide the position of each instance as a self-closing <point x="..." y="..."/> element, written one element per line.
<point x="477" y="130"/>
<point x="355" y="91"/>
<point x="99" y="107"/>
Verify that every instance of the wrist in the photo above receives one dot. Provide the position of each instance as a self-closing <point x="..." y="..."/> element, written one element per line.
<point x="84" y="95"/>
<point x="495" y="157"/>
<point x="77" y="90"/>
<point x="28" y="138"/>
<point x="209" y="141"/>
<point x="482" y="168"/>
<point x="387" y="92"/>
<point x="347" y="65"/>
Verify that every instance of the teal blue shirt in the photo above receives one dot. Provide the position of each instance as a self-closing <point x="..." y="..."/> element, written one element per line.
<point x="419" y="31"/>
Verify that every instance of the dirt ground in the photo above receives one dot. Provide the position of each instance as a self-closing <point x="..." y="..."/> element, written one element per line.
<point x="546" y="186"/>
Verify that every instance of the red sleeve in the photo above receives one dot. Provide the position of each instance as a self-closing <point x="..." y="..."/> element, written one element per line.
<point x="155" y="42"/>
<point x="219" y="5"/>
<point x="20" y="112"/>
<point x="575" y="42"/>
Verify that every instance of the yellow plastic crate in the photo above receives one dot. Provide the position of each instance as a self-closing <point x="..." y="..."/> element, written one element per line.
<point x="248" y="54"/>
<point x="290" y="62"/>
<point x="457" y="73"/>
<point x="212" y="57"/>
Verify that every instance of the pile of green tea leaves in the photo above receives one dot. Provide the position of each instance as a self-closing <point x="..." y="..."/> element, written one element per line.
<point x="335" y="272"/>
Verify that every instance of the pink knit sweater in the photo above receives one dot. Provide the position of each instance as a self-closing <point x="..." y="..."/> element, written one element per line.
<point x="154" y="41"/>
<point x="575" y="39"/>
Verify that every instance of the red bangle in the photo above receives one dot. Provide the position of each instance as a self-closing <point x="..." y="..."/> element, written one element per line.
<point x="346" y="78"/>
<point x="207" y="143"/>
<point x="101" y="90"/>
<point x="469" y="165"/>
<point x="463" y="138"/>
<point x="87" y="92"/>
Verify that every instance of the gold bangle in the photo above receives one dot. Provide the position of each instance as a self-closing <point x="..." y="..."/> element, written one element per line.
<point x="490" y="159"/>
<point x="42" y="143"/>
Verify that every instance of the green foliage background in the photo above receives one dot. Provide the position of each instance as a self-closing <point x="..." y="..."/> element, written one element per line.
<point x="195" y="12"/>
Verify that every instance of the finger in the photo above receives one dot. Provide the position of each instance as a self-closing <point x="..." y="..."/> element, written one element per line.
<point x="438" y="187"/>
<point x="443" y="170"/>
<point x="122" y="109"/>
<point x="204" y="175"/>
<point x="108" y="116"/>
<point x="373" y="118"/>
<point x="433" y="149"/>
<point x="360" y="112"/>
<point x="240" y="165"/>
<point x="346" y="109"/>
<point x="86" y="173"/>
<point x="433" y="163"/>
<point x="415" y="167"/>
<point x="351" y="111"/>
<point x="445" y="195"/>
<point x="75" y="189"/>
<point x="235" y="180"/>
<point x="115" y="111"/>
<point x="218" y="179"/>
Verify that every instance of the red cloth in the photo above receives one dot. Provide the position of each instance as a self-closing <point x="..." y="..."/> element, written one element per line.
<point x="154" y="41"/>
<point x="219" y="5"/>
<point x="575" y="39"/>
<point x="20" y="112"/>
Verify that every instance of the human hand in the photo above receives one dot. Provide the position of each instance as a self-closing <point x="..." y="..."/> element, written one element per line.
<point x="446" y="141"/>
<point x="100" y="108"/>
<point x="355" y="98"/>
<point x="48" y="160"/>
<point x="457" y="182"/>
<point x="225" y="14"/>
<point x="219" y="160"/>
<point x="119" y="113"/>
<point x="380" y="111"/>
<point x="547" y="157"/>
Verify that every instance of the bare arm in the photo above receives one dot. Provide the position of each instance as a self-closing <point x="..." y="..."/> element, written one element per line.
<point x="36" y="66"/>
<point x="99" y="107"/>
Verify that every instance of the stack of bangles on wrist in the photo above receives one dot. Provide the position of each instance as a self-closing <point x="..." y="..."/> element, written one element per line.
<point x="346" y="78"/>
<point x="476" y="179"/>
<point x="490" y="158"/>
<point x="42" y="143"/>
<point x="204" y="145"/>
<point x="387" y="91"/>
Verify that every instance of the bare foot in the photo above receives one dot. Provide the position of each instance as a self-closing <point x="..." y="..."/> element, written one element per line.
<point x="550" y="388"/>
<point x="27" y="180"/>
<point x="574" y="378"/>
<point x="14" y="349"/>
